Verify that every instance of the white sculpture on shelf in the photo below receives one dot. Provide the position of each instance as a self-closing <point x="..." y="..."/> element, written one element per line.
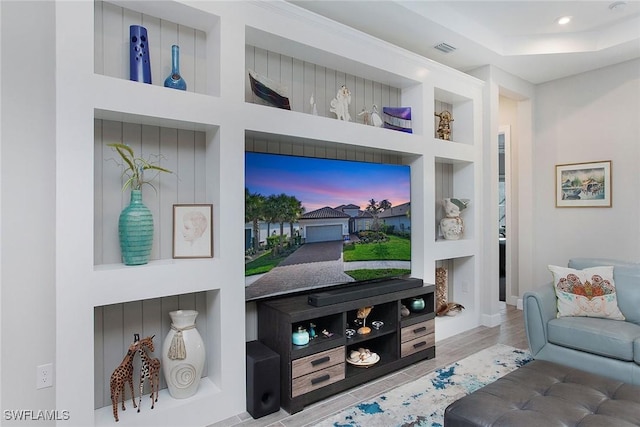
<point x="314" y="109"/>
<point x="371" y="118"/>
<point x="452" y="225"/>
<point x="366" y="115"/>
<point x="340" y="104"/>
<point x="376" y="120"/>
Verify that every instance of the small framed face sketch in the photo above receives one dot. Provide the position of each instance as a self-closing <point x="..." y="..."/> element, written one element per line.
<point x="193" y="231"/>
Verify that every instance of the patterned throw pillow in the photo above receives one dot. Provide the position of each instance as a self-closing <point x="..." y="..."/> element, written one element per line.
<point x="590" y="292"/>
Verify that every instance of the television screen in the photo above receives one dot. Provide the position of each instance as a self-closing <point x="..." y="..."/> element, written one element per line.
<point x="312" y="223"/>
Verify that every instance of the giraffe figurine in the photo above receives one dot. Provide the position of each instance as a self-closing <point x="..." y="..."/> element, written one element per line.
<point x="121" y="375"/>
<point x="150" y="369"/>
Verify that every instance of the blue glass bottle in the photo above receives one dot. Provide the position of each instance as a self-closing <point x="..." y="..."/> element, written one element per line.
<point x="175" y="80"/>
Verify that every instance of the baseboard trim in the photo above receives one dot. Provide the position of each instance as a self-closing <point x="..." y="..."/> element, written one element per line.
<point x="490" y="320"/>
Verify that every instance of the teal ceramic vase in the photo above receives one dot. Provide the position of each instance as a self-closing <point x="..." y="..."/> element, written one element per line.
<point x="135" y="228"/>
<point x="301" y="337"/>
<point x="416" y="305"/>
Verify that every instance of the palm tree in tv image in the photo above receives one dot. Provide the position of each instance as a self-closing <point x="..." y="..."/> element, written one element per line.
<point x="293" y="212"/>
<point x="254" y="213"/>
<point x="375" y="209"/>
<point x="281" y="209"/>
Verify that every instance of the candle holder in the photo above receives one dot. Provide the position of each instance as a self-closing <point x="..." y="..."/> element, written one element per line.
<point x="362" y="314"/>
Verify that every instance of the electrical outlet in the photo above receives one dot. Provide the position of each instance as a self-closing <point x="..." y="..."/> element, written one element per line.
<point x="465" y="286"/>
<point x="44" y="376"/>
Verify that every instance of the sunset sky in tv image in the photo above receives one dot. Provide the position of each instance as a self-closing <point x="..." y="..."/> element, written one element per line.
<point x="326" y="182"/>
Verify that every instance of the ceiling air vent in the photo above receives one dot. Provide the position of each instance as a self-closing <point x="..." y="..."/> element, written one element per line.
<point x="444" y="47"/>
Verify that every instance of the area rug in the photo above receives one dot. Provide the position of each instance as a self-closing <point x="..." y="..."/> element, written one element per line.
<point x="421" y="403"/>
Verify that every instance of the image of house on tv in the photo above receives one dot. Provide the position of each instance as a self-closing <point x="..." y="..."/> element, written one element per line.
<point x="340" y="223"/>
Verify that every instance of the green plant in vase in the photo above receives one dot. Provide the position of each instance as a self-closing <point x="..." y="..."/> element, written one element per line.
<point x="135" y="225"/>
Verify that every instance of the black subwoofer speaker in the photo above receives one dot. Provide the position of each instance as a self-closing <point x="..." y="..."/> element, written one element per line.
<point x="263" y="380"/>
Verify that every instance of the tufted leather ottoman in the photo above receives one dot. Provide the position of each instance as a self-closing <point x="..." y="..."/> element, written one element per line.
<point x="541" y="393"/>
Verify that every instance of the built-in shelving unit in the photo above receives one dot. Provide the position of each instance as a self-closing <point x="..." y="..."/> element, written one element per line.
<point x="201" y="135"/>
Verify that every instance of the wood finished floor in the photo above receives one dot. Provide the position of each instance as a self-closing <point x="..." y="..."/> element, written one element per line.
<point x="509" y="332"/>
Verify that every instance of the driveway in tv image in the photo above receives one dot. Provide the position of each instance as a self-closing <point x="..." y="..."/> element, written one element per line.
<point x="314" y="264"/>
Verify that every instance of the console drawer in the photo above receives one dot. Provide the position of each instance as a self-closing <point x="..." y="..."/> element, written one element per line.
<point x="317" y="379"/>
<point x="316" y="362"/>
<point x="417" y="344"/>
<point x="418" y="330"/>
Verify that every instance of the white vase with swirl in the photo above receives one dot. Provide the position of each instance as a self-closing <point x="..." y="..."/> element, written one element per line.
<point x="183" y="355"/>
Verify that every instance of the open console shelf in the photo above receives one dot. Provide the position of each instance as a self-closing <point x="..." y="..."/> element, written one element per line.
<point x="320" y="369"/>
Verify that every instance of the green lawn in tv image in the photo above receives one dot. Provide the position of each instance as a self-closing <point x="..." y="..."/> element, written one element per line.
<point x="313" y="222"/>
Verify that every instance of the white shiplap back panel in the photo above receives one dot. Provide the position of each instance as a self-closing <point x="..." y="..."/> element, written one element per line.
<point x="317" y="76"/>
<point x="297" y="88"/>
<point x="304" y="79"/>
<point x="114" y="50"/>
<point x="329" y="93"/>
<point x="169" y="189"/>
<point x="180" y="151"/>
<point x="320" y="150"/>
<point x="100" y="391"/>
<point x="199" y="169"/>
<point x="114" y="329"/>
<point x="98" y="227"/>
<point x="186" y="159"/>
<point x="187" y="44"/>
<point x="199" y="84"/>
<point x="111" y="45"/>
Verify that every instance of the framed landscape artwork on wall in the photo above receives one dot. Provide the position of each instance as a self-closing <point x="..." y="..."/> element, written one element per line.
<point x="580" y="185"/>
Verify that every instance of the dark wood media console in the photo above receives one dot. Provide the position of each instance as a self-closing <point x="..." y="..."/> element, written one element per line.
<point x="319" y="369"/>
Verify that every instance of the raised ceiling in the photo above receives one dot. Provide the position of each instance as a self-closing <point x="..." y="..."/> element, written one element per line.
<point x="520" y="37"/>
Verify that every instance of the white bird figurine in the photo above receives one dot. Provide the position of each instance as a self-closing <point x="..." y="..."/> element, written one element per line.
<point x="453" y="207"/>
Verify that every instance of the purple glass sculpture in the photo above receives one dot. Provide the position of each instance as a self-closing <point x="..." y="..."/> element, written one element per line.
<point x="397" y="118"/>
<point x="139" y="61"/>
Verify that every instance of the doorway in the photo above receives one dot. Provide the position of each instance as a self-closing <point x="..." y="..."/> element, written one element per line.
<point x="504" y="209"/>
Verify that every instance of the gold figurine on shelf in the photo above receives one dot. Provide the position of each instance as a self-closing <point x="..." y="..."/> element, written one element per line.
<point x="444" y="127"/>
<point x="362" y="314"/>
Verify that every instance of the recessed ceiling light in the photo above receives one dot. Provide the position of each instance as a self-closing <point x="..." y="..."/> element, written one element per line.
<point x="563" y="20"/>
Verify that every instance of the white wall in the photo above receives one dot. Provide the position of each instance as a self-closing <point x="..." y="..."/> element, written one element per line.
<point x="589" y="117"/>
<point x="501" y="86"/>
<point x="28" y="202"/>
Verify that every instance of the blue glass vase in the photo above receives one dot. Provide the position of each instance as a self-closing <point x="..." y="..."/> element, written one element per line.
<point x="175" y="80"/>
<point x="139" y="60"/>
<point x="135" y="228"/>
